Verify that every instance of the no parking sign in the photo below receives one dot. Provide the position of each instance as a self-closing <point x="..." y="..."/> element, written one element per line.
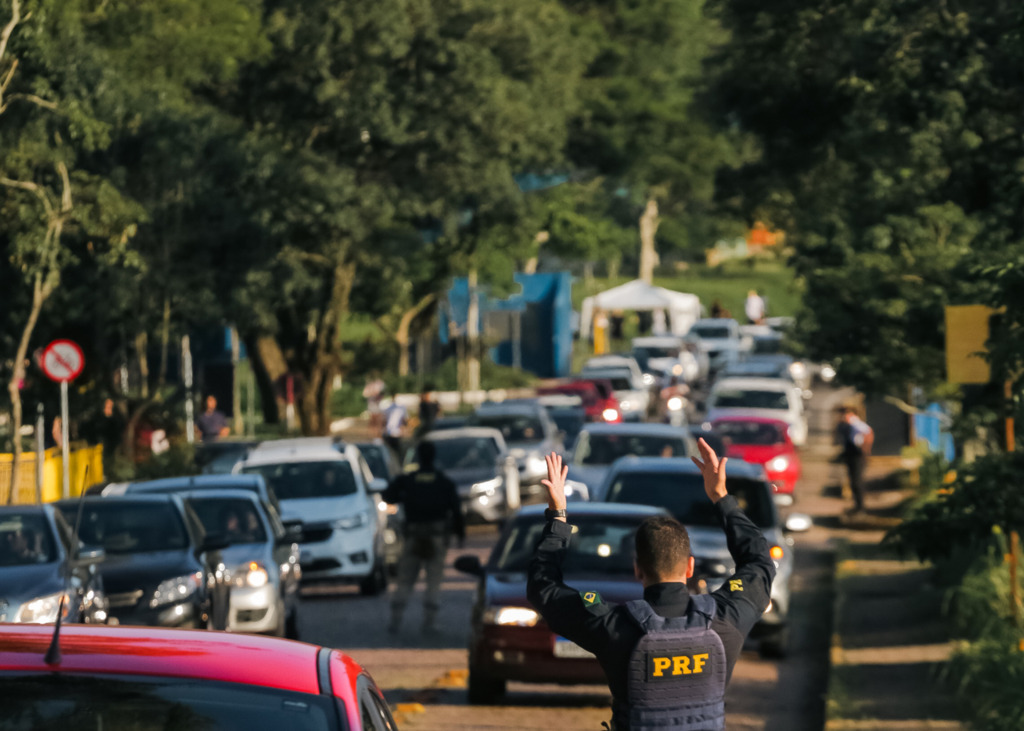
<point x="63" y="362"/>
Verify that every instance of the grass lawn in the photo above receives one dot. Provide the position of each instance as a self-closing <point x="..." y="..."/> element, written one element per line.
<point x="728" y="283"/>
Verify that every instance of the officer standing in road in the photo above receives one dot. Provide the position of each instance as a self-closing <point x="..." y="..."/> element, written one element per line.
<point x="669" y="656"/>
<point x="433" y="512"/>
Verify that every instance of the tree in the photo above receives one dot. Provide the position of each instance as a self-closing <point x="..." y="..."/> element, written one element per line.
<point x="369" y="116"/>
<point x="638" y="125"/>
<point x="887" y="152"/>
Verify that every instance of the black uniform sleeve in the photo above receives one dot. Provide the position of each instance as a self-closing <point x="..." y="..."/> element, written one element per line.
<point x="584" y="621"/>
<point x="394" y="492"/>
<point x="744" y="596"/>
<point x="455" y="505"/>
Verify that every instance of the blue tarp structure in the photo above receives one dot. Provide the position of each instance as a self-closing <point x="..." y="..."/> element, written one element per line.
<point x="930" y="427"/>
<point x="537" y="332"/>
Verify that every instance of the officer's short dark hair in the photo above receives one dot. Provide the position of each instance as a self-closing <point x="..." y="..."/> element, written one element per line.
<point x="425" y="452"/>
<point x="662" y="546"/>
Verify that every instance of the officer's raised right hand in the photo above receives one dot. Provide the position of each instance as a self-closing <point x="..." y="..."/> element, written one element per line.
<point x="712" y="470"/>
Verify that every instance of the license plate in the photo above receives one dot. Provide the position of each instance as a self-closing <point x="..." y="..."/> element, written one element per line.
<point x="567" y="648"/>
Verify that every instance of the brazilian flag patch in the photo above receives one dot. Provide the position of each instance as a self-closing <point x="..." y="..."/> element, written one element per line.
<point x="590" y="598"/>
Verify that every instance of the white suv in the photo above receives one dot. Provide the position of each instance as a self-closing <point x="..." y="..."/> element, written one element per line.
<point x="331" y="490"/>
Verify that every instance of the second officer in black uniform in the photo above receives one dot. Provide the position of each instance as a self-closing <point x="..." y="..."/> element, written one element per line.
<point x="433" y="512"/>
<point x="668" y="656"/>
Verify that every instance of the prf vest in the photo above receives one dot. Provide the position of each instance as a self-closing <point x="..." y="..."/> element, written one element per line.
<point x="676" y="678"/>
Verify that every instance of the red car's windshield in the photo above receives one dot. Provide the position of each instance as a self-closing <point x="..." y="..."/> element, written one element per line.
<point x="751" y="432"/>
<point x="93" y="703"/>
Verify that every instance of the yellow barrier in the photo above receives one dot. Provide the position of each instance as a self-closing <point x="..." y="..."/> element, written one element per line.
<point x="53" y="473"/>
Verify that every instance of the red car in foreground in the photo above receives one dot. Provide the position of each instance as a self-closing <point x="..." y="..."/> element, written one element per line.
<point x="149" y="678"/>
<point x="765" y="442"/>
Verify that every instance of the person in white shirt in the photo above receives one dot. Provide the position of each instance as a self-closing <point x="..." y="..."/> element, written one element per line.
<point x="754" y="307"/>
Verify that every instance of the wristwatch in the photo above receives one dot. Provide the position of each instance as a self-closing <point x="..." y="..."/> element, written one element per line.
<point x="551" y="513"/>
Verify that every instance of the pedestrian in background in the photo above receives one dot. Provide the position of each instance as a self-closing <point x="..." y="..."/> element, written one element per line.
<point x="212" y="424"/>
<point x="433" y="513"/>
<point x="669" y="656"/>
<point x="855" y="440"/>
<point x="754" y="308"/>
<point x="373" y="392"/>
<point x="429" y="410"/>
<point x="109" y="431"/>
<point x="395" y="419"/>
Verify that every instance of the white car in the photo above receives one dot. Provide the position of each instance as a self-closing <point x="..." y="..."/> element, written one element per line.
<point x="667" y="355"/>
<point x="721" y="339"/>
<point x="331" y="490"/>
<point x="628" y="385"/>
<point x="773" y="398"/>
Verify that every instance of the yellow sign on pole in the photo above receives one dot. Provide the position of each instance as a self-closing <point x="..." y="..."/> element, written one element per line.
<point x="966" y="335"/>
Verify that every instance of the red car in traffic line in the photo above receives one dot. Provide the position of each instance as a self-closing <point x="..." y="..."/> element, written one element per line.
<point x="765" y="442"/>
<point x="145" y="677"/>
<point x="599" y="402"/>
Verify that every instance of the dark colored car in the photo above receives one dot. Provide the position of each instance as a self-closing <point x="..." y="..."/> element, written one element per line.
<point x="160" y="568"/>
<point x="168" y="485"/>
<point x="599" y="445"/>
<point x="508" y="640"/>
<point x="677" y="486"/>
<point x="702" y="431"/>
<point x="38" y="559"/>
<point x="146" y="678"/>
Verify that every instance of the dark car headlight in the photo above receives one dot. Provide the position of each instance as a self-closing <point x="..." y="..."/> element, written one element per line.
<point x="42" y="610"/>
<point x="511" y="616"/>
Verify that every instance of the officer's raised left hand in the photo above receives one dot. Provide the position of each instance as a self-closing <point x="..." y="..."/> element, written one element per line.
<point x="555" y="483"/>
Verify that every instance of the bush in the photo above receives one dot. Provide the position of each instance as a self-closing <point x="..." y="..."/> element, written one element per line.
<point x="179" y="460"/>
<point x="989" y="676"/>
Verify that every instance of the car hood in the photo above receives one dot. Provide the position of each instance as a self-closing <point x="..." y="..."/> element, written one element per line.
<point x="242" y="553"/>
<point x="778" y="414"/>
<point x="321" y="509"/>
<point x="662" y="364"/>
<point x="466" y="477"/>
<point x="131" y="571"/>
<point x="18" y="584"/>
<point x="719" y="344"/>
<point x="509" y="589"/>
<point x="756" y="453"/>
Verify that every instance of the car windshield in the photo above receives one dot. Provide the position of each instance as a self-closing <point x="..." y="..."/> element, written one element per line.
<point x="304" y="480"/>
<point x="376" y="460"/>
<point x="234" y="518"/>
<point x="129" y="527"/>
<point x="737" y="398"/>
<point x="712" y="332"/>
<point x="45" y="701"/>
<point x="655" y="351"/>
<point x="751" y="432"/>
<point x="767" y="345"/>
<point x="620" y="380"/>
<point x="683" y="496"/>
<point x="514" y="427"/>
<point x="603" y="545"/>
<point x="25" y="539"/>
<point x="597" y="449"/>
<point x="465" y="453"/>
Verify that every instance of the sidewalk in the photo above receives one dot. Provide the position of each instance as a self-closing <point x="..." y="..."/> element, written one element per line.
<point x="889" y="642"/>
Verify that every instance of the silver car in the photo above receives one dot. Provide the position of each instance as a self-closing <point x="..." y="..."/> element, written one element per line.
<point x="262" y="560"/>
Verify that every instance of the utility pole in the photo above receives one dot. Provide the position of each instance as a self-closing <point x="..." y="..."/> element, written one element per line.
<point x="473" y="334"/>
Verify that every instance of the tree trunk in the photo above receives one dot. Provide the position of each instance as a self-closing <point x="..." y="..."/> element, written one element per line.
<point x="17" y="376"/>
<point x="404" y="325"/>
<point x="270" y="368"/>
<point x="165" y="342"/>
<point x="649" y="221"/>
<point x="141" y="345"/>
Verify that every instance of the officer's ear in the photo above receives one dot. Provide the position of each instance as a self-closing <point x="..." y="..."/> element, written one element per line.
<point x="690" y="563"/>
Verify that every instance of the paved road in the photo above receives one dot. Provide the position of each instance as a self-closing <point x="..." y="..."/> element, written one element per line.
<point x="425" y="678"/>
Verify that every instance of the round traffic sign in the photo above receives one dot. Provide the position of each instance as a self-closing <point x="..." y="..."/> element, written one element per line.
<point x="63" y="360"/>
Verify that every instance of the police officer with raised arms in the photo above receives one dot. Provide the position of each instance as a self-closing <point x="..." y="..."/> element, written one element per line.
<point x="668" y="656"/>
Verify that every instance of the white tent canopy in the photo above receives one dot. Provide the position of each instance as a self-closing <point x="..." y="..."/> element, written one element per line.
<point x="683" y="309"/>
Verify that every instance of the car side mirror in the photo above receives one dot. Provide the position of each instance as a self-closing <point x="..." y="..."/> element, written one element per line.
<point x="378" y="484"/>
<point x="798" y="523"/>
<point x="214" y="542"/>
<point x="469" y="565"/>
<point x="89" y="555"/>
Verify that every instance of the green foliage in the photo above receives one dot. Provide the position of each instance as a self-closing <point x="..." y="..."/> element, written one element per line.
<point x="963" y="516"/>
<point x="887" y="157"/>
<point x="177" y="461"/>
<point x="989" y="676"/>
